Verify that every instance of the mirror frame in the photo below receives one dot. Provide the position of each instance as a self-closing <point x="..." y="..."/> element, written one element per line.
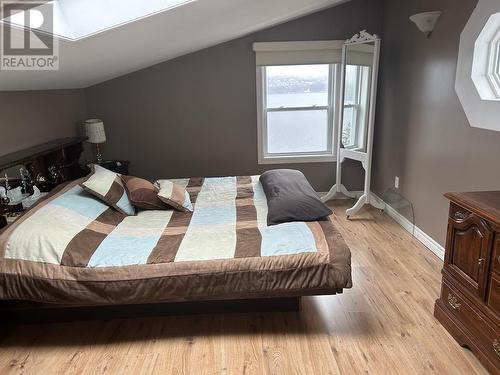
<point x="365" y="157"/>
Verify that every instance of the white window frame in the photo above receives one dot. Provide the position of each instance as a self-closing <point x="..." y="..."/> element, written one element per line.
<point x="360" y="108"/>
<point x="494" y="64"/>
<point x="485" y="60"/>
<point x="480" y="105"/>
<point x="264" y="156"/>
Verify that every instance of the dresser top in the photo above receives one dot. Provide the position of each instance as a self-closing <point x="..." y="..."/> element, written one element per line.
<point x="484" y="203"/>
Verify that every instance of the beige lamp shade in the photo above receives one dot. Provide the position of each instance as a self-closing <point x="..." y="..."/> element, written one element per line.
<point x="94" y="130"/>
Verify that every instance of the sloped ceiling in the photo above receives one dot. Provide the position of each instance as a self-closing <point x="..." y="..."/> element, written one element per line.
<point x="156" y="38"/>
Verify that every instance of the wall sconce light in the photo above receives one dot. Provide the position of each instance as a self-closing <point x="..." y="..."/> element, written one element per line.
<point x="426" y="22"/>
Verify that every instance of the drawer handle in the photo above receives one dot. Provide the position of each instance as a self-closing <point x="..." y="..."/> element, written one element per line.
<point x="496" y="347"/>
<point x="453" y="302"/>
<point x="459" y="215"/>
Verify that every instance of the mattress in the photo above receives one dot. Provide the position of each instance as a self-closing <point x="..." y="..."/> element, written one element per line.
<point x="73" y="249"/>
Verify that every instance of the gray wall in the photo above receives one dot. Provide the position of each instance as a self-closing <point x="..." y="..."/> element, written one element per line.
<point x="422" y="133"/>
<point x="196" y="115"/>
<point x="28" y="118"/>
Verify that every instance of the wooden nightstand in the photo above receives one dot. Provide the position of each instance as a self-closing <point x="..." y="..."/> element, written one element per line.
<point x="7" y="217"/>
<point x="117" y="166"/>
<point x="3" y="222"/>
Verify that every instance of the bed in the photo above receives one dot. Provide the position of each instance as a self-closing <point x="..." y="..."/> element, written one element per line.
<point x="73" y="249"/>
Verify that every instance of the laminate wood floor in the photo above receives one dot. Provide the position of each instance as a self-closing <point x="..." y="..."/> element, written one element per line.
<point x="384" y="325"/>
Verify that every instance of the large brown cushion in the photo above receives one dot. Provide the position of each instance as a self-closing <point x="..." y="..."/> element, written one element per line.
<point x="143" y="194"/>
<point x="290" y="197"/>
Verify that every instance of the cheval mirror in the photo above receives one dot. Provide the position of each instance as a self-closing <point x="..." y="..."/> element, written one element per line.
<point x="357" y="100"/>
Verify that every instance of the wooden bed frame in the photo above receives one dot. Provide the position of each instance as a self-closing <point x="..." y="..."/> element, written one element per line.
<point x="21" y="312"/>
<point x="61" y="155"/>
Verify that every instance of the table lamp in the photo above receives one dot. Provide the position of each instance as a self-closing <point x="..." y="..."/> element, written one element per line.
<point x="95" y="133"/>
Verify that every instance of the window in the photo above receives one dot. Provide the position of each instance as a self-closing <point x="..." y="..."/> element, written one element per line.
<point x="75" y="20"/>
<point x="495" y="65"/>
<point x="297" y="116"/>
<point x="354" y="128"/>
<point x="486" y="60"/>
<point x="478" y="67"/>
<point x="497" y="70"/>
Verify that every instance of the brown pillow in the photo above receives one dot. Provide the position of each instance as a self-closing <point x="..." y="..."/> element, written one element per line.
<point x="143" y="194"/>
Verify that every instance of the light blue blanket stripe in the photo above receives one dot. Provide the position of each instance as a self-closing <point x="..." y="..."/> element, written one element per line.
<point x="287" y="239"/>
<point x="215" y="212"/>
<point x="118" y="250"/>
<point x="81" y="202"/>
<point x="187" y="202"/>
<point x="125" y="204"/>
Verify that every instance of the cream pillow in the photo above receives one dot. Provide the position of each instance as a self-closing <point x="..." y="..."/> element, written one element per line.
<point x="174" y="195"/>
<point x="108" y="187"/>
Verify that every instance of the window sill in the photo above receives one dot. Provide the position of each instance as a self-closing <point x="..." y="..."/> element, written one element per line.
<point x="297" y="159"/>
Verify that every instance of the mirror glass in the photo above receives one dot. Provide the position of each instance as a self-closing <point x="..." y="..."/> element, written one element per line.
<point x="360" y="59"/>
<point x="12" y="174"/>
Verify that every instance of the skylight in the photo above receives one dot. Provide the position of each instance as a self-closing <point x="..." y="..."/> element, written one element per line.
<point x="78" y="19"/>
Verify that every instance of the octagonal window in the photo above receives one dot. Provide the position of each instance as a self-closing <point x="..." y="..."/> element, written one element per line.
<point x="486" y="63"/>
<point x="495" y="75"/>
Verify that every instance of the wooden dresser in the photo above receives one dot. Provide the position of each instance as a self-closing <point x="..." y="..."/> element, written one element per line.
<point x="469" y="306"/>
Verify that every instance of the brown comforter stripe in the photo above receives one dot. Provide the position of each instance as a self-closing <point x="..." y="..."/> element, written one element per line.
<point x="84" y="244"/>
<point x="333" y="237"/>
<point x="169" y="242"/>
<point x="339" y="253"/>
<point x="115" y="192"/>
<point x="248" y="237"/>
<point x="194" y="187"/>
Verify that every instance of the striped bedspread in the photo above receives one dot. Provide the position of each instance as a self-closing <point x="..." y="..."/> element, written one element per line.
<point x="74" y="237"/>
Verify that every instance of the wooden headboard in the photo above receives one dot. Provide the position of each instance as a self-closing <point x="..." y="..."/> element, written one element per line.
<point x="54" y="162"/>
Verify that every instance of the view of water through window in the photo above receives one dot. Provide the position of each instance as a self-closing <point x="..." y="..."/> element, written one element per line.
<point x="297" y="103"/>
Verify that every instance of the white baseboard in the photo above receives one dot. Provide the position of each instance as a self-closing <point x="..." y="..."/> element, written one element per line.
<point x="418" y="233"/>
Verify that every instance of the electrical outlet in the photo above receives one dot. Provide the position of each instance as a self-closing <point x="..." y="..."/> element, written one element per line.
<point x="396" y="182"/>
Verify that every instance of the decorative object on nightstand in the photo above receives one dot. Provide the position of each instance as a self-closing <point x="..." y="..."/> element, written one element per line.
<point x="9" y="211"/>
<point x="94" y="130"/>
<point x="117" y="166"/>
<point x="4" y="199"/>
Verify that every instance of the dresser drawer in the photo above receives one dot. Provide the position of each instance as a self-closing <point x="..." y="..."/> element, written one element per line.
<point x="494" y="293"/>
<point x="495" y="265"/>
<point x="483" y="332"/>
<point x="468" y="250"/>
